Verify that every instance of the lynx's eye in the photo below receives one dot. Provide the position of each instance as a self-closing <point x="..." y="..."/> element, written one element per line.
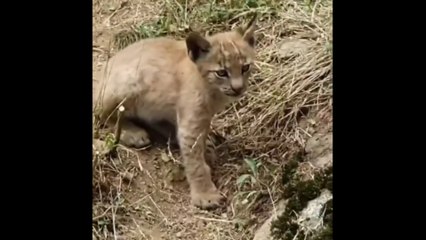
<point x="245" y="68"/>
<point x="221" y="73"/>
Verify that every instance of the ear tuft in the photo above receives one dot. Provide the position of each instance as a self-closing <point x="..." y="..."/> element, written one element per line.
<point x="247" y="32"/>
<point x="197" y="46"/>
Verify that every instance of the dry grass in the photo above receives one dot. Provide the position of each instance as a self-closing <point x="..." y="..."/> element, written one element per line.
<point x="290" y="94"/>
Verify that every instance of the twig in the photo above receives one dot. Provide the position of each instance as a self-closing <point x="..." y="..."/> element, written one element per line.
<point x="159" y="210"/>
<point x="113" y="223"/>
<point x="139" y="228"/>
<point x="113" y="152"/>
<point x="118" y="126"/>
<point x="214" y="219"/>
<point x="99" y="50"/>
<point x="297" y="234"/>
<point x="170" y="152"/>
<point x="101" y="215"/>
<point x="272" y="200"/>
<point x="313" y="10"/>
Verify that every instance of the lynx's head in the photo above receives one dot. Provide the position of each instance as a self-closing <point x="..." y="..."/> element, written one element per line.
<point x="225" y="59"/>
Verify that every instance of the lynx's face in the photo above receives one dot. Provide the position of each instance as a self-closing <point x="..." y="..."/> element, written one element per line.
<point x="229" y="65"/>
<point x="224" y="60"/>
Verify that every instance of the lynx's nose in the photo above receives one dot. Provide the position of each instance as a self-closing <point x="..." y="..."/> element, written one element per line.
<point x="237" y="86"/>
<point x="237" y="90"/>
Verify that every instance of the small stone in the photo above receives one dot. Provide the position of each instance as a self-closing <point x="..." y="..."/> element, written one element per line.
<point x="127" y="176"/>
<point x="200" y="224"/>
<point x="311" y="121"/>
<point x="294" y="47"/>
<point x="165" y="157"/>
<point x="100" y="147"/>
<point x="179" y="234"/>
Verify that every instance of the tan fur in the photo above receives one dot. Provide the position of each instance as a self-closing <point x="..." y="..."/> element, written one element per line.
<point x="165" y="79"/>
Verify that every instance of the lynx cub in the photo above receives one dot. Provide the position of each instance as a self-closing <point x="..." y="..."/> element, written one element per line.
<point x="184" y="83"/>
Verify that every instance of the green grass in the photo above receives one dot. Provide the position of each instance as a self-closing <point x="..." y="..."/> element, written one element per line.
<point x="178" y="18"/>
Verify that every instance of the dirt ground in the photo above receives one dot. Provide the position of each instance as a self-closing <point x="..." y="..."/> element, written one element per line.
<point x="142" y="194"/>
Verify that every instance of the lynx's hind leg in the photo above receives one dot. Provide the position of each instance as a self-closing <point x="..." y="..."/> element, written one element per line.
<point x="133" y="135"/>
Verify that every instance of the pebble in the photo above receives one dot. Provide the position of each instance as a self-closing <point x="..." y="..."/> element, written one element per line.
<point x="179" y="234"/>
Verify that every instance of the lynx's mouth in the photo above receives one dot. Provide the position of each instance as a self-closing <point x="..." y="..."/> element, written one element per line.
<point x="234" y="94"/>
<point x="231" y="92"/>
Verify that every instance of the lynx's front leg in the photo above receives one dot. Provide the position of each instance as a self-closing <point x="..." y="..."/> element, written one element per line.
<point x="192" y="132"/>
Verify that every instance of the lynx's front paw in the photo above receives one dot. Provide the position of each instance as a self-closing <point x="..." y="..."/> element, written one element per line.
<point x="207" y="200"/>
<point x="136" y="138"/>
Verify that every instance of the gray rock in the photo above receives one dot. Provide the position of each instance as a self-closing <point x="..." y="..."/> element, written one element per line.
<point x="264" y="232"/>
<point x="319" y="153"/>
<point x="319" y="149"/>
<point x="100" y="147"/>
<point x="311" y="218"/>
<point x="294" y="47"/>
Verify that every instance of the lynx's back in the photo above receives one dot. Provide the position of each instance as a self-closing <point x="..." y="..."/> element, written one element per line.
<point x="146" y="68"/>
<point x="154" y="57"/>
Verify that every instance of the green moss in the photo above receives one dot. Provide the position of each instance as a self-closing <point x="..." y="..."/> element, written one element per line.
<point x="328" y="181"/>
<point x="289" y="191"/>
<point x="291" y="167"/>
<point x="295" y="204"/>
<point x="299" y="193"/>
<point x="326" y="234"/>
<point x="309" y="190"/>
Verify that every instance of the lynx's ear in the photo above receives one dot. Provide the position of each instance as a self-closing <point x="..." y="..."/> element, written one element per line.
<point x="247" y="32"/>
<point x="197" y="46"/>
